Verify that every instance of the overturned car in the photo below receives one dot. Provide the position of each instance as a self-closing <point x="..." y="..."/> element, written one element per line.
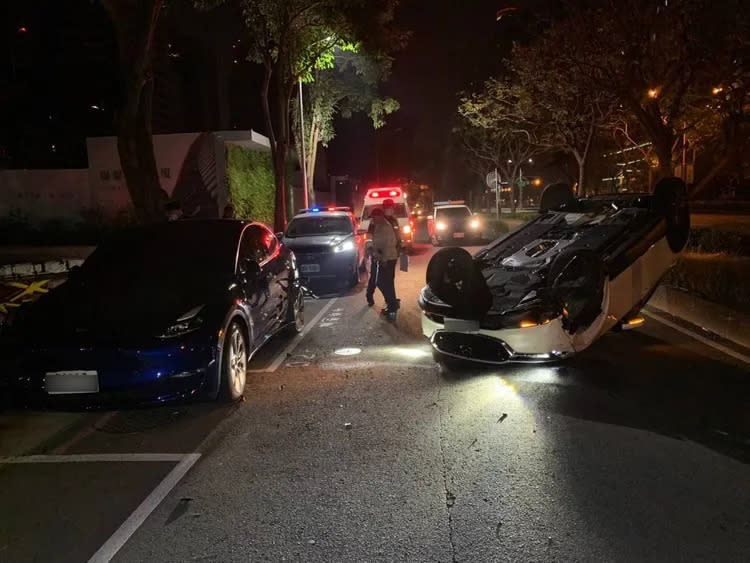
<point x="552" y="287"/>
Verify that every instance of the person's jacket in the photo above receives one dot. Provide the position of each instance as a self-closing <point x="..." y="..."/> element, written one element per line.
<point x="394" y="223"/>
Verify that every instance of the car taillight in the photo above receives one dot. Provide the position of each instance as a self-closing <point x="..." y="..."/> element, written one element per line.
<point x="407" y="229"/>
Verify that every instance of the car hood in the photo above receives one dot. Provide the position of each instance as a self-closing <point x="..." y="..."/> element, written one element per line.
<point x="83" y="313"/>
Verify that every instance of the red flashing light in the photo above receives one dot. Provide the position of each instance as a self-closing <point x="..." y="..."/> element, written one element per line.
<point x="384" y="192"/>
<point x="394" y="193"/>
<point x="22" y="29"/>
<point x="375" y="194"/>
<point x="331" y="209"/>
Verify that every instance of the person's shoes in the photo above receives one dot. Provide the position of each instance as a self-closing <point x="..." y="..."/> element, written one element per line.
<point x="370" y="301"/>
<point x="391" y="316"/>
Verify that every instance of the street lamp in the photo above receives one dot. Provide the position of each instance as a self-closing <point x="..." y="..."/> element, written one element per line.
<point x="653" y="93"/>
<point x="717" y="90"/>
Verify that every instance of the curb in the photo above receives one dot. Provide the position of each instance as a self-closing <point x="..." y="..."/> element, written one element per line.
<point x="708" y="319"/>
<point x="29" y="269"/>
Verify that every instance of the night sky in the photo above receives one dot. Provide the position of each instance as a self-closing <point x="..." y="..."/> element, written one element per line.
<point x="64" y="64"/>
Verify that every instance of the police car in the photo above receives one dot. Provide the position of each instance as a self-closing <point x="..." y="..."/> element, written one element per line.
<point x="453" y="221"/>
<point x="327" y="245"/>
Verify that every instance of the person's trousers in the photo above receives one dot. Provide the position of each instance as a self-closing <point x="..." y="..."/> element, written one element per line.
<point x="372" y="281"/>
<point x="383" y="276"/>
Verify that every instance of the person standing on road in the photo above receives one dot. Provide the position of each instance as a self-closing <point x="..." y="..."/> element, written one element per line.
<point x="388" y="208"/>
<point x="385" y="249"/>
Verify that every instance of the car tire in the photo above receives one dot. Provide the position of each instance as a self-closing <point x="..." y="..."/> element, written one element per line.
<point x="556" y="196"/>
<point x="354" y="280"/>
<point x="295" y="312"/>
<point x="455" y="278"/>
<point x="234" y="358"/>
<point x="670" y="201"/>
<point x="577" y="278"/>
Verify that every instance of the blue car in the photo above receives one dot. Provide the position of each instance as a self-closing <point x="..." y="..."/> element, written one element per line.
<point x="157" y="313"/>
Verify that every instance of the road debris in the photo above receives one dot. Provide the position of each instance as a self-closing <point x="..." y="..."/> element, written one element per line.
<point x="505" y="415"/>
<point x="348" y="425"/>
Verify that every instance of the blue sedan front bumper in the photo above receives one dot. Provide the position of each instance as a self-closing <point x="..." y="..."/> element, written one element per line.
<point x="161" y="372"/>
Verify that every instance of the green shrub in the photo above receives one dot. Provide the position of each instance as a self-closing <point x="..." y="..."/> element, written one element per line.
<point x="721" y="279"/>
<point x="251" y="184"/>
<point x="711" y="241"/>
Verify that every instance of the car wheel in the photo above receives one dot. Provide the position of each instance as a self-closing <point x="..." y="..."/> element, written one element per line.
<point x="295" y="313"/>
<point x="354" y="280"/>
<point x="670" y="201"/>
<point x="455" y="278"/>
<point x="556" y="196"/>
<point x="233" y="363"/>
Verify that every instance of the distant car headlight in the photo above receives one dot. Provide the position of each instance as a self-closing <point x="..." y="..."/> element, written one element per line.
<point x="185" y="324"/>
<point x="474" y="223"/>
<point x="440" y="226"/>
<point x="346" y="246"/>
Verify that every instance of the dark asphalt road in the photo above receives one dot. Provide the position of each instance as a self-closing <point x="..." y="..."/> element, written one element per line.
<point x="636" y="450"/>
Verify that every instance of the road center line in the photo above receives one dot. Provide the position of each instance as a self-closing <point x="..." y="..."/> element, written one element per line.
<point x="139" y="515"/>
<point x="281" y="356"/>
<point x="92" y="458"/>
<point x="707" y="341"/>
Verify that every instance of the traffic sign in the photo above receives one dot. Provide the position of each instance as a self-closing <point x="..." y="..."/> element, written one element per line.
<point x="492" y="179"/>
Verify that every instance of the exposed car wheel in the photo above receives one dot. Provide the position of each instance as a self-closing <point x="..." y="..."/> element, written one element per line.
<point x="556" y="196"/>
<point x="670" y="200"/>
<point x="233" y="363"/>
<point x="577" y="279"/>
<point x="456" y="279"/>
<point x="295" y="313"/>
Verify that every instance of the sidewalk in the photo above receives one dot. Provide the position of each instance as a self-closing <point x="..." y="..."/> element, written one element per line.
<point x="726" y="323"/>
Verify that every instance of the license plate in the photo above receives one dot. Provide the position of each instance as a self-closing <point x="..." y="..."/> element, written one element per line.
<point x="71" y="382"/>
<point x="461" y="325"/>
<point x="309" y="268"/>
<point x="458" y="235"/>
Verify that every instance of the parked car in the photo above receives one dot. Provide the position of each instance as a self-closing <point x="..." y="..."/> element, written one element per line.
<point x="375" y="197"/>
<point x="453" y="221"/>
<point x="551" y="288"/>
<point x="328" y="245"/>
<point x="158" y="313"/>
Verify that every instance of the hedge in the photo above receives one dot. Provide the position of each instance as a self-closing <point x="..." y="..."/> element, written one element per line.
<point x="251" y="184"/>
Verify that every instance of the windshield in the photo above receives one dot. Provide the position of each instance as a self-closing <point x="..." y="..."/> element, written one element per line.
<point x="399" y="210"/>
<point x="311" y="226"/>
<point x="453" y="213"/>
<point x="176" y="251"/>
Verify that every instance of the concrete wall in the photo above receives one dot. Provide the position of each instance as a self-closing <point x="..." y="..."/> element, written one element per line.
<point x="44" y="194"/>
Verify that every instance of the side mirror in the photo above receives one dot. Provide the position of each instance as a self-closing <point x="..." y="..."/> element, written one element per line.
<point x="250" y="269"/>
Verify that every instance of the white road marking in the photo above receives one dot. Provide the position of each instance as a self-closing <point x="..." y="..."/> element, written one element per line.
<point x="92" y="458"/>
<point x="139" y="515"/>
<point x="281" y="356"/>
<point x="707" y="341"/>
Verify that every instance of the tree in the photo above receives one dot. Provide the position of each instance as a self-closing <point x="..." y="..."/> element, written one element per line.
<point x="569" y="113"/>
<point x="136" y="23"/>
<point x="658" y="59"/>
<point x="292" y="38"/>
<point x="349" y="85"/>
<point x="500" y="129"/>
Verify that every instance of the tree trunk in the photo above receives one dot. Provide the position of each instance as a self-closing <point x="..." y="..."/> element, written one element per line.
<point x="135" y="26"/>
<point x="136" y="149"/>
<point x="663" y="148"/>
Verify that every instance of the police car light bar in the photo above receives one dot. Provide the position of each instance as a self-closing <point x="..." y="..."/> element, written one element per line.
<point x="453" y="202"/>
<point x="325" y="209"/>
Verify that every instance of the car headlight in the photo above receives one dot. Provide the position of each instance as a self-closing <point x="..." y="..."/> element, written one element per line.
<point x="440" y="226"/>
<point x="474" y="223"/>
<point x="187" y="323"/>
<point x="345" y="246"/>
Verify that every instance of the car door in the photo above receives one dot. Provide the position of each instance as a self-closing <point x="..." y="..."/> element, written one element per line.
<point x="277" y="273"/>
<point x="256" y="291"/>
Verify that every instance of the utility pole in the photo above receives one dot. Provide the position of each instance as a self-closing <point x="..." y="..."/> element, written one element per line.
<point x="497" y="194"/>
<point x="302" y="137"/>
